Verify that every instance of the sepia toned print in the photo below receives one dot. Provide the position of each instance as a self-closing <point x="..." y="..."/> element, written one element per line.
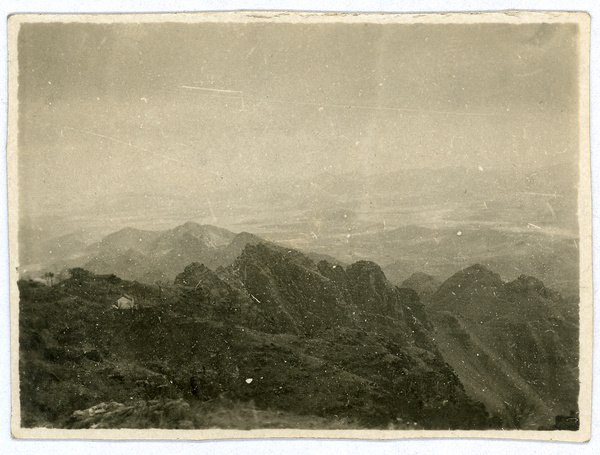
<point x="242" y="225"/>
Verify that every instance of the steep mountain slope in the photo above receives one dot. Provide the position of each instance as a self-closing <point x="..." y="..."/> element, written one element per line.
<point x="514" y="345"/>
<point x="302" y="297"/>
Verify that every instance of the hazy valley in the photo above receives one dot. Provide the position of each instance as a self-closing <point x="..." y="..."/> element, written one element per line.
<point x="515" y="221"/>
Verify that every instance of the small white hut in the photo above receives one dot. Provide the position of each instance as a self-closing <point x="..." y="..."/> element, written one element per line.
<point x="126" y="302"/>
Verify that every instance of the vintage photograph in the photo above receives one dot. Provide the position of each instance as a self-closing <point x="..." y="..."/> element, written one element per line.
<point x="296" y="224"/>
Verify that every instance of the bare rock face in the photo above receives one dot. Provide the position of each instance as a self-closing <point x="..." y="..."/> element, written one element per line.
<point x="530" y="286"/>
<point x="172" y="414"/>
<point x="370" y="287"/>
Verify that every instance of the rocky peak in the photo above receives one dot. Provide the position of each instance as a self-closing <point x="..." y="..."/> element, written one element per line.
<point x="526" y="284"/>
<point x="209" y="236"/>
<point x="471" y="280"/>
<point x="334" y="272"/>
<point x="195" y="273"/>
<point x="367" y="273"/>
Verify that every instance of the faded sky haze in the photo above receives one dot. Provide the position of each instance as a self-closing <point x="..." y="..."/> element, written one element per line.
<point x="171" y="108"/>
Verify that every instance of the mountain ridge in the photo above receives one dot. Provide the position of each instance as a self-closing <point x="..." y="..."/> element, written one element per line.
<point x="273" y="328"/>
<point x="524" y="337"/>
<point x="279" y="319"/>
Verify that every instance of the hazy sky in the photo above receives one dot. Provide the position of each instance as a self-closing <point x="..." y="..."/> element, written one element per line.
<point x="189" y="107"/>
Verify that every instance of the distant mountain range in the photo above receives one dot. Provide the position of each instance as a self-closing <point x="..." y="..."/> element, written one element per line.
<point x="157" y="256"/>
<point x="150" y="256"/>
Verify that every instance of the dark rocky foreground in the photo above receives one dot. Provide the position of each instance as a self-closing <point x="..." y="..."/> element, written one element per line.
<point x="272" y="340"/>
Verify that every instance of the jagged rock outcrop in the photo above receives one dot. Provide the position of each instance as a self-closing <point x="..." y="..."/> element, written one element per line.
<point x="530" y="286"/>
<point x="195" y="275"/>
<point x="171" y="414"/>
<point x="302" y="297"/>
<point x="369" y="286"/>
